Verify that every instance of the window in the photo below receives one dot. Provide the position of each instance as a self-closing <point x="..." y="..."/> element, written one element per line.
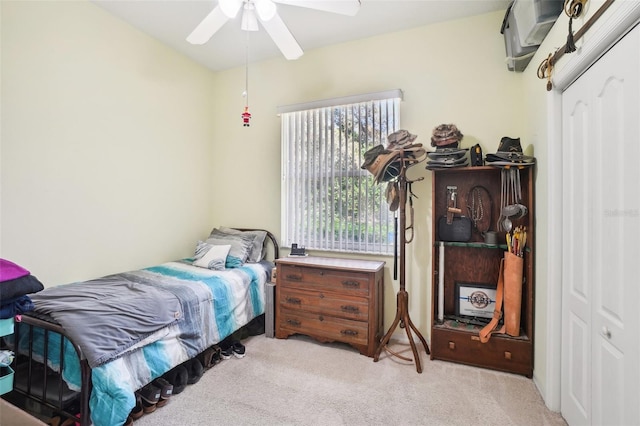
<point x="329" y="202"/>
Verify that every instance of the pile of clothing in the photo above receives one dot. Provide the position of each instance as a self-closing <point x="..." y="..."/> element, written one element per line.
<point x="446" y="139"/>
<point x="16" y="283"/>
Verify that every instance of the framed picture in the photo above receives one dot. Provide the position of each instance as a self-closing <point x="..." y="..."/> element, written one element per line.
<point x="475" y="299"/>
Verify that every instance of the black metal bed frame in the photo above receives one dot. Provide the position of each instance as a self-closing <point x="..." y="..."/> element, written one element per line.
<point x="39" y="383"/>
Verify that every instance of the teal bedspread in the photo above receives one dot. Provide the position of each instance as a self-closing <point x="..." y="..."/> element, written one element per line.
<point x="212" y="305"/>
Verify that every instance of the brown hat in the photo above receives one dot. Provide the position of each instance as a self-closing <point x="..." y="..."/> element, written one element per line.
<point x="383" y="164"/>
<point x="446" y="135"/>
<point x="386" y="166"/>
<point x="400" y="139"/>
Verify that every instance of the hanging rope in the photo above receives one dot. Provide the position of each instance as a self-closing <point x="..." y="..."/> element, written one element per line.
<point x="246" y="73"/>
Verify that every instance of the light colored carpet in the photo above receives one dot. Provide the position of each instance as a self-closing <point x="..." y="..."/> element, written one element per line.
<point x="299" y="381"/>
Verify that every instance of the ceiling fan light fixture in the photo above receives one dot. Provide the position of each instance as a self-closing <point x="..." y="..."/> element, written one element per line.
<point x="230" y="8"/>
<point x="249" y="18"/>
<point x="266" y="12"/>
<point x="266" y="9"/>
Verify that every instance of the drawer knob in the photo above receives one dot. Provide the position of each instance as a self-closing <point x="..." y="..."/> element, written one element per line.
<point x="293" y="277"/>
<point x="507" y="355"/>
<point x="350" y="309"/>
<point x="351" y="284"/>
<point x="348" y="332"/>
<point x="293" y="300"/>
<point x="452" y="345"/>
<point x="294" y="323"/>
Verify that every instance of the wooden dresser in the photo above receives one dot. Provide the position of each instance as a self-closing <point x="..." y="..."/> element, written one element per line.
<point x="331" y="299"/>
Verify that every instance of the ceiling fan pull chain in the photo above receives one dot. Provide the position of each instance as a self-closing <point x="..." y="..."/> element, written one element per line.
<point x="246" y="115"/>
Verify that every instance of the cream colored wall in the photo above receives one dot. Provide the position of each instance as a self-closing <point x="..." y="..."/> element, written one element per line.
<point x="106" y="144"/>
<point x="117" y="153"/>
<point x="450" y="73"/>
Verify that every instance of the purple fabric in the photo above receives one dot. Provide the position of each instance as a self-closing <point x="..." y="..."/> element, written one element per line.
<point x="11" y="271"/>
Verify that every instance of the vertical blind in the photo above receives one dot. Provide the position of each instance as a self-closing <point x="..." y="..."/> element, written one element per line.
<point x="328" y="202"/>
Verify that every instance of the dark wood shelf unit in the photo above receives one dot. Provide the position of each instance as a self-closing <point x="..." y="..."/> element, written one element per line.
<point x="476" y="262"/>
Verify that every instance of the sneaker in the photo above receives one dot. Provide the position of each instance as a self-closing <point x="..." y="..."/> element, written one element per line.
<point x="149" y="393"/>
<point x="238" y="349"/>
<point x="226" y="352"/>
<point x="166" y="390"/>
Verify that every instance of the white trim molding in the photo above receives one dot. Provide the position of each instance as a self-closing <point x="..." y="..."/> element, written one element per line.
<point x="345" y="100"/>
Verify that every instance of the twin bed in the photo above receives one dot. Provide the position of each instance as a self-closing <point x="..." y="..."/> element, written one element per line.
<point x="108" y="337"/>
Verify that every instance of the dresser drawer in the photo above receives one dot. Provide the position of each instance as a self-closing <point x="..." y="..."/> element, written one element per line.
<point x="327" y="303"/>
<point x="500" y="353"/>
<point x="322" y="279"/>
<point x="323" y="327"/>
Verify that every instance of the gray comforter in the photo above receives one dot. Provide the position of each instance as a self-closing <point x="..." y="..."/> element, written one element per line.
<point x="104" y="316"/>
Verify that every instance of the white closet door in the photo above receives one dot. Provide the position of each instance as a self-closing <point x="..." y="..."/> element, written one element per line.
<point x="601" y="240"/>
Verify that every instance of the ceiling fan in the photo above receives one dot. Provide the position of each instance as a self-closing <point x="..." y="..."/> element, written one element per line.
<point x="265" y="12"/>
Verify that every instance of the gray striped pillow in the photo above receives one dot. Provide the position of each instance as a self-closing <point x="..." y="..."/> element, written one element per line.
<point x="240" y="246"/>
<point x="258" y="249"/>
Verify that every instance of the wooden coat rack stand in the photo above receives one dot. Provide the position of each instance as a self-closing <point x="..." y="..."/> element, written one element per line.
<point x="402" y="299"/>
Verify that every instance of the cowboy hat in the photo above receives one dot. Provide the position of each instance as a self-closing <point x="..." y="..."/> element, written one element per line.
<point x="446" y="135"/>
<point x="509" y="154"/>
<point x="384" y="165"/>
<point x="400" y="139"/>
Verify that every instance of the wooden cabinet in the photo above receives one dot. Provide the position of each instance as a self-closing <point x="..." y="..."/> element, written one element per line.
<point x="453" y="338"/>
<point x="331" y="299"/>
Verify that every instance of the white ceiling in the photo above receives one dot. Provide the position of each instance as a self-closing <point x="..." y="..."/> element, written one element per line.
<point x="171" y="21"/>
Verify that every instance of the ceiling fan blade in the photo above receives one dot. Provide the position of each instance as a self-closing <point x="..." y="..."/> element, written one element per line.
<point x="208" y="27"/>
<point x="343" y="7"/>
<point x="282" y="37"/>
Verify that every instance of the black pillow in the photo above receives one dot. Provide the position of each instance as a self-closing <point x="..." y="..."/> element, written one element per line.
<point x="19" y="287"/>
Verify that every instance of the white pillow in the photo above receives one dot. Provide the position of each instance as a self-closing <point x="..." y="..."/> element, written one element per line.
<point x="211" y="256"/>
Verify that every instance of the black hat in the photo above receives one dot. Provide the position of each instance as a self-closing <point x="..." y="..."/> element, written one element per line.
<point x="445" y="158"/>
<point x="509" y="154"/>
<point x="447" y="163"/>
<point x="441" y="152"/>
